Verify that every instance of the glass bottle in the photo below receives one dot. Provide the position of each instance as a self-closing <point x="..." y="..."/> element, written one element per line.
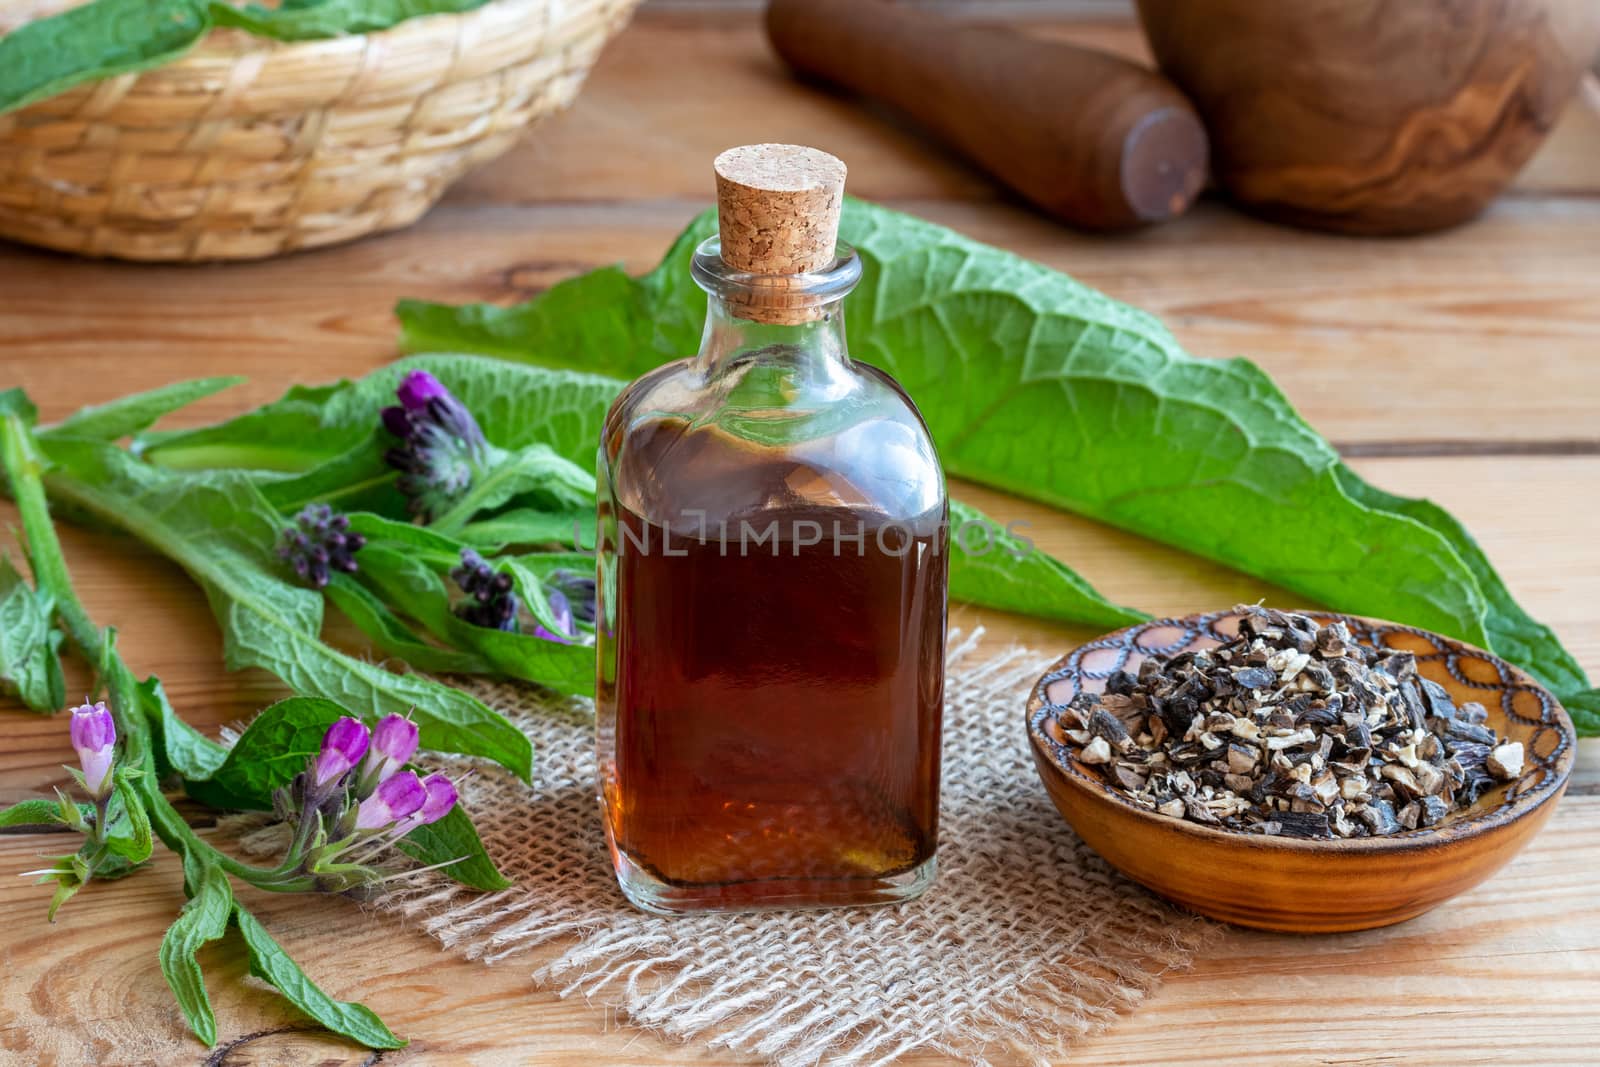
<point x="772" y="571"/>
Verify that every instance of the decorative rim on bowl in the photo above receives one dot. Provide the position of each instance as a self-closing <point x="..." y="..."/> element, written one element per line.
<point x="1549" y="750"/>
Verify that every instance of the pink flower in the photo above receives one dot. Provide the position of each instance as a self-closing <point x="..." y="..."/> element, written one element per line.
<point x="396" y="798"/>
<point x="342" y="748"/>
<point x="94" y="736"/>
<point x="441" y="798"/>
<point x="394" y="742"/>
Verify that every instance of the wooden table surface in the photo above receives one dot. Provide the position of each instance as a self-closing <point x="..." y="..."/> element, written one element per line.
<point x="1464" y="366"/>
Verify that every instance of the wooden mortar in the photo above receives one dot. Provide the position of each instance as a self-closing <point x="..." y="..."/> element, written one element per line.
<point x="1373" y="116"/>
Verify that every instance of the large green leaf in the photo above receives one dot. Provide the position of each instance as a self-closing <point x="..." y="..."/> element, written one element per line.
<point x="1036" y="384"/>
<point x="219" y="529"/>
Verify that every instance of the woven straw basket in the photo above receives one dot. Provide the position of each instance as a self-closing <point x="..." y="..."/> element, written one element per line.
<point x="247" y="147"/>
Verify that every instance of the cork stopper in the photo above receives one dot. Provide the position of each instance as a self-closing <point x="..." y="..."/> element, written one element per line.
<point x="777" y="215"/>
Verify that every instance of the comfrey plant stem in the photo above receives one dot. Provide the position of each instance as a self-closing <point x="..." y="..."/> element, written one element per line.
<point x="211" y="908"/>
<point x="98" y="647"/>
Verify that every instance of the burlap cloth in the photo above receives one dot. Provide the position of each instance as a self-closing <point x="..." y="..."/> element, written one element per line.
<point x="1026" y="943"/>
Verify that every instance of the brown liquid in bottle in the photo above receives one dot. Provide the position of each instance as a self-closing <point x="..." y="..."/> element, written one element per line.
<point x="779" y="681"/>
<point x="772" y="577"/>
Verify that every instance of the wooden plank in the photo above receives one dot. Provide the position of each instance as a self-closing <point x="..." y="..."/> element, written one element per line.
<point x="1483" y="335"/>
<point x="1450" y="987"/>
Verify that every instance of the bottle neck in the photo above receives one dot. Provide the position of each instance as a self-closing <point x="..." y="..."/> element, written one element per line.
<point x="792" y="323"/>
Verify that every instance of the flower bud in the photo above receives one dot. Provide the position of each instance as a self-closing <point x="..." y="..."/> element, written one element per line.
<point x="394" y="741"/>
<point x="396" y="797"/>
<point x="441" y="798"/>
<point x="417" y="388"/>
<point x="318" y="543"/>
<point x="342" y="748"/>
<point x="94" y="736"/>
<point x="440" y="448"/>
<point x="492" y="601"/>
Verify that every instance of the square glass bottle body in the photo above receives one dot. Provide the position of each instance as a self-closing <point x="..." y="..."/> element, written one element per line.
<point x="771" y="621"/>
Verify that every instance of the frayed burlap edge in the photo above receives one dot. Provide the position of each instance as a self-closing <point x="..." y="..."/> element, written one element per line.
<point x="1027" y="944"/>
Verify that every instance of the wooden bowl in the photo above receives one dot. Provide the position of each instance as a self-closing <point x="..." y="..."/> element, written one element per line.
<point x="1373" y="116"/>
<point x="1293" y="884"/>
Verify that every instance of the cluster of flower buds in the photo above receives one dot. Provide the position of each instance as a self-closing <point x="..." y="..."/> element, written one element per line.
<point x="318" y="543"/>
<point x="356" y="796"/>
<point x="490" y="599"/>
<point x="441" y="448"/>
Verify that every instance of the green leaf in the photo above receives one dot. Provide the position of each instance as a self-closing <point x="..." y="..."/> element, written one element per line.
<point x="378" y="530"/>
<point x="270" y="963"/>
<point x="525" y="528"/>
<point x="275" y="747"/>
<point x="602" y="322"/>
<point x="30" y="668"/>
<point x="557" y="408"/>
<point x="106" y="37"/>
<point x="131" y="414"/>
<point x="39" y="812"/>
<point x="179" y="748"/>
<point x="128" y="825"/>
<point x="310" y="426"/>
<point x="285" y="435"/>
<point x="1513" y="633"/>
<point x="564" y="668"/>
<point x="1584" y="707"/>
<point x="15" y="402"/>
<point x="355" y="479"/>
<point x="1033" y="383"/>
<point x="531" y="470"/>
<point x="219" y="529"/>
<point x="528" y="580"/>
<point x="409" y="579"/>
<point x="1005" y="571"/>
<point x="391" y="635"/>
<point x="331" y="18"/>
<point x="46" y="56"/>
<point x="203" y="919"/>
<point x="454" y="838"/>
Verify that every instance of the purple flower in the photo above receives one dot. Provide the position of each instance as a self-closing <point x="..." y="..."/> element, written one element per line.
<point x="394" y="741"/>
<point x="395" y="799"/>
<point x="441" y="798"/>
<point x="94" y="736"/>
<point x="491" y="601"/>
<point x="562" y="610"/>
<point x="577" y="589"/>
<point x="418" y="388"/>
<point x="441" y="448"/>
<point x="319" y="542"/>
<point x="342" y="748"/>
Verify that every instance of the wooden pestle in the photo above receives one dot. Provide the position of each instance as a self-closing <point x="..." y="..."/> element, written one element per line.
<point x="1097" y="141"/>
